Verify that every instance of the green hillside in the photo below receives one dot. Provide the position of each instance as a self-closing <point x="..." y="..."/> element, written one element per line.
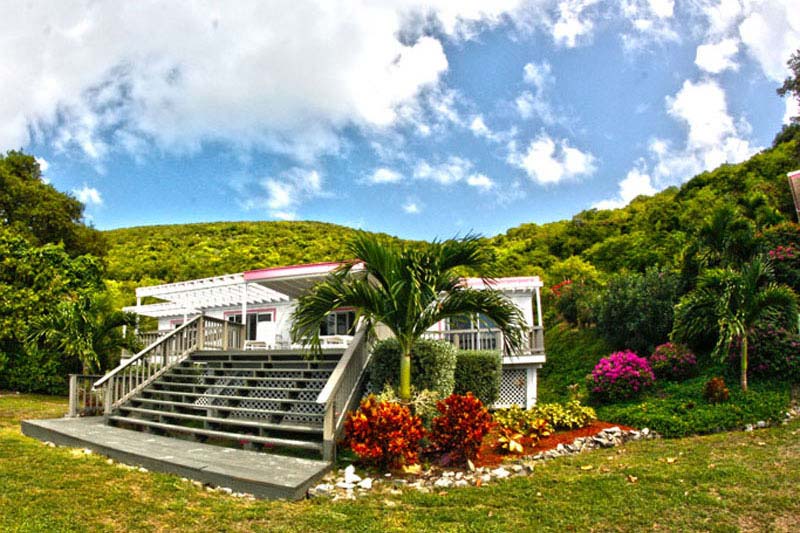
<point x="650" y="231"/>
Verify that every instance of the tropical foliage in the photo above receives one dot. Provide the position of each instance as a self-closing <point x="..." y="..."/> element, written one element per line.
<point x="407" y="291"/>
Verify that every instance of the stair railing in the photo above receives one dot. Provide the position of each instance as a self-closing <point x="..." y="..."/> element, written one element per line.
<point x="84" y="400"/>
<point x="200" y="333"/>
<point x="341" y="392"/>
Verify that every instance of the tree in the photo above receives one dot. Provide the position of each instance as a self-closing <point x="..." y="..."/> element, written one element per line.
<point x="35" y="210"/>
<point x="735" y="301"/>
<point x="86" y="328"/>
<point x="408" y="290"/>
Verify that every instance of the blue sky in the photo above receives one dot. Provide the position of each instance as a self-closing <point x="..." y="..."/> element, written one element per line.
<point x="420" y="119"/>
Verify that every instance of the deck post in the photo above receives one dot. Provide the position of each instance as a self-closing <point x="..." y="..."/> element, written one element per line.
<point x="109" y="396"/>
<point x="328" y="437"/>
<point x="73" y="396"/>
<point x="225" y="335"/>
<point x="201" y="332"/>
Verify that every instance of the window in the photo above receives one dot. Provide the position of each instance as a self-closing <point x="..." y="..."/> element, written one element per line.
<point x="338" y="323"/>
<point x="252" y="322"/>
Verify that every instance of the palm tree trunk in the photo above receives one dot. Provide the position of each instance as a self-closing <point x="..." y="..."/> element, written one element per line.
<point x="744" y="363"/>
<point x="405" y="376"/>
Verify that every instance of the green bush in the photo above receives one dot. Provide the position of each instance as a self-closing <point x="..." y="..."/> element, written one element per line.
<point x="433" y="365"/>
<point x="571" y="415"/>
<point x="636" y="310"/>
<point x="683" y="411"/>
<point x="478" y="372"/>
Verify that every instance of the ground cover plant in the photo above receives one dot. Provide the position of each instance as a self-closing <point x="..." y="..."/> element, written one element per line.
<point x="723" y="482"/>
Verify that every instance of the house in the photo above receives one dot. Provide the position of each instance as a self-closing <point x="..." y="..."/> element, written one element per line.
<point x="266" y="297"/>
<point x="221" y="369"/>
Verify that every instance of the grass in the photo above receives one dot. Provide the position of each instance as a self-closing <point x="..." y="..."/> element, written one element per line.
<point x="571" y="354"/>
<point x="722" y="482"/>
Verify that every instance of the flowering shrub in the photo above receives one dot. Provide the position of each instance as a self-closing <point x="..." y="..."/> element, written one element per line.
<point x="384" y="433"/>
<point x="771" y="353"/>
<point x="457" y="433"/>
<point x="715" y="391"/>
<point x="620" y="376"/>
<point x="673" y="361"/>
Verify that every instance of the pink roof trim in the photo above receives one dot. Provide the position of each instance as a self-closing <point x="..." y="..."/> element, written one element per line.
<point x="292" y="270"/>
<point x="793" y="173"/>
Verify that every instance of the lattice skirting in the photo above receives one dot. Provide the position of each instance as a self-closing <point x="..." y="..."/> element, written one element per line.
<point x="513" y="387"/>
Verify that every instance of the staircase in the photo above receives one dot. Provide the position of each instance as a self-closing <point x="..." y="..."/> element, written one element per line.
<point x="245" y="398"/>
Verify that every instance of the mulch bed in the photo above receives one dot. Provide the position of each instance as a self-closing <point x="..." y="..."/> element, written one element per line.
<point x="491" y="455"/>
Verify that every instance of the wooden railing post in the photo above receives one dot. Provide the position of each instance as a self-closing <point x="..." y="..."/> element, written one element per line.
<point x="201" y="333"/>
<point x="328" y="433"/>
<point x="73" y="396"/>
<point x="109" y="396"/>
<point x="225" y="335"/>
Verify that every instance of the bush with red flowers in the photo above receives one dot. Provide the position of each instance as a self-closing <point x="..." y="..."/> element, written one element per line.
<point x="458" y="431"/>
<point x="385" y="434"/>
<point x="674" y="362"/>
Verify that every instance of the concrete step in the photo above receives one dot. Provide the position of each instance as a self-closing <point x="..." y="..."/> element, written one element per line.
<point x="227" y="435"/>
<point x="232" y="421"/>
<point x="225" y="408"/>
<point x="195" y="387"/>
<point x="227" y="396"/>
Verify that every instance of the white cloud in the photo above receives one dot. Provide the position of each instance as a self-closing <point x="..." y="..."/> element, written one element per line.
<point x="715" y="58"/>
<point x="769" y="31"/>
<point x="650" y="21"/>
<point x="662" y="8"/>
<point x="178" y="75"/>
<point x="481" y="181"/>
<point x="412" y="208"/>
<point x="384" y="175"/>
<point x="792" y="109"/>
<point x="88" y="195"/>
<point x="547" y="161"/>
<point x="43" y="164"/>
<point x="287" y="192"/>
<point x="453" y="170"/>
<point x="573" y="23"/>
<point x="530" y="104"/>
<point x="636" y="183"/>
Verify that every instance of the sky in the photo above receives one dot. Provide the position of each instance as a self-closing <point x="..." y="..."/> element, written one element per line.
<point x="418" y="119"/>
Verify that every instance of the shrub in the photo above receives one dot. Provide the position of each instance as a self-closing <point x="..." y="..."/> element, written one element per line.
<point x="457" y="433"/>
<point x="715" y="391"/>
<point x="683" y="411"/>
<point x="478" y="372"/>
<point x="423" y="403"/>
<point x="620" y="376"/>
<point x="433" y="365"/>
<point x="528" y="423"/>
<point x="571" y="415"/>
<point x="384" y="433"/>
<point x="771" y="352"/>
<point x="636" y="310"/>
<point x="673" y="361"/>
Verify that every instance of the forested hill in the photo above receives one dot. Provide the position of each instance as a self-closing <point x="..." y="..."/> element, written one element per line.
<point x="650" y="231"/>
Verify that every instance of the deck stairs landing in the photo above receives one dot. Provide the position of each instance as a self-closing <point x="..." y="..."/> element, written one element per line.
<point x="254" y="399"/>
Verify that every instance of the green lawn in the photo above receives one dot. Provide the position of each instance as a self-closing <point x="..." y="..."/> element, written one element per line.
<point x="722" y="482"/>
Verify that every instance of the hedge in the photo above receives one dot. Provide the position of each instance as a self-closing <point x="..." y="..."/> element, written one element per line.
<point x="478" y="372"/>
<point x="433" y="365"/>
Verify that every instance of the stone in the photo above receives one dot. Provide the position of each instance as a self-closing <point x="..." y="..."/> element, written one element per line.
<point x="226" y="490"/>
<point x="517" y="468"/>
<point x="613" y="430"/>
<point x="345" y="485"/>
<point x="462" y="483"/>
<point x="365" y="483"/>
<point x="500" y="473"/>
<point x="761" y="424"/>
<point x="443" y="483"/>
<point x="748" y="427"/>
<point x="645" y="432"/>
<point x="350" y="475"/>
<point x="323" y="488"/>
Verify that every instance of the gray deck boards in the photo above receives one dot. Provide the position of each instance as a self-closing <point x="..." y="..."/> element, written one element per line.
<point x="261" y="474"/>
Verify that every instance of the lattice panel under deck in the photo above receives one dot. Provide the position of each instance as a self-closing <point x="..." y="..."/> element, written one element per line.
<point x="300" y="412"/>
<point x="513" y="387"/>
<point x="222" y="388"/>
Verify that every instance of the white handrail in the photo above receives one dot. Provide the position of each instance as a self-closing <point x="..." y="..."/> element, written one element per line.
<point x="335" y="379"/>
<point x="145" y="351"/>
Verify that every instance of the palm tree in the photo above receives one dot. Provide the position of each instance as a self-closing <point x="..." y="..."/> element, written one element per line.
<point x="735" y="300"/>
<point x="408" y="291"/>
<point x="85" y="328"/>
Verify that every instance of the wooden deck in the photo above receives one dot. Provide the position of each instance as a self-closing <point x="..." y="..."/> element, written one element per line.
<point x="261" y="474"/>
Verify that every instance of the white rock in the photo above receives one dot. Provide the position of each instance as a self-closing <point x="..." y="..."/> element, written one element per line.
<point x="645" y="431"/>
<point x="226" y="490"/>
<point x="500" y="473"/>
<point x="365" y="483"/>
<point x="350" y="475"/>
<point x="345" y="485"/>
<point x="462" y="483"/>
<point x="748" y="427"/>
<point x="443" y="482"/>
<point x="517" y="468"/>
<point x="323" y="488"/>
<point x="761" y="424"/>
